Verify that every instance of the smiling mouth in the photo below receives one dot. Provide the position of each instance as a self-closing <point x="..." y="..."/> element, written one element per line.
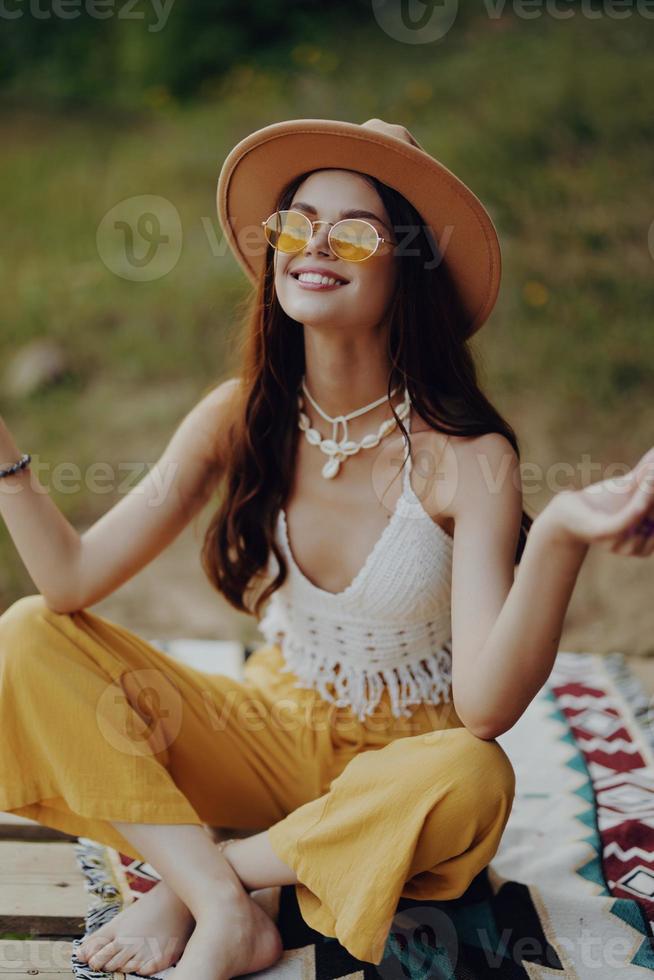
<point x="316" y="281"/>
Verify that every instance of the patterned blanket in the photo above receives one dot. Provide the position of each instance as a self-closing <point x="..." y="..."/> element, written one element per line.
<point x="569" y="894"/>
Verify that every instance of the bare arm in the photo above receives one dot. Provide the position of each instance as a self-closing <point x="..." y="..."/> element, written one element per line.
<point x="505" y="630"/>
<point x="73" y="571"/>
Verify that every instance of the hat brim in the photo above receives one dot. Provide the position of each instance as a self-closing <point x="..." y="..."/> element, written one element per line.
<point x="259" y="166"/>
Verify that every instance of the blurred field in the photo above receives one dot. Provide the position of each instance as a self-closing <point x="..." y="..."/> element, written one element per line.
<point x="549" y="122"/>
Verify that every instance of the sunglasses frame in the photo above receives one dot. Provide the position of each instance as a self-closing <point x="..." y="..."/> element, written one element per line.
<point x="334" y="224"/>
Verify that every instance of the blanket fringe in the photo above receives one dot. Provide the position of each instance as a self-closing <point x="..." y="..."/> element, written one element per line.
<point x="100" y="882"/>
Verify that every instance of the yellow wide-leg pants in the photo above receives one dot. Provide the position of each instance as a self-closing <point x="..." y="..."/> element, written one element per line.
<point x="98" y="725"/>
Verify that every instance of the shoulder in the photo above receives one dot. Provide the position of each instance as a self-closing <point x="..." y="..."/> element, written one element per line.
<point x="208" y="423"/>
<point x="470" y="475"/>
<point x="489" y="457"/>
<point x="486" y="452"/>
<point x="488" y="483"/>
<point x="221" y="398"/>
<point x="492" y="443"/>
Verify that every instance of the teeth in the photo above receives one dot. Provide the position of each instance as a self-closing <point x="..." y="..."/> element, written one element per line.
<point x="317" y="278"/>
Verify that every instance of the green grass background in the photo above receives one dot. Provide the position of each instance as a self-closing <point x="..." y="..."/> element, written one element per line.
<point x="549" y="121"/>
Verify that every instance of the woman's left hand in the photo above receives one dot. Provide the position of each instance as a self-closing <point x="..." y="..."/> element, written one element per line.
<point x="618" y="512"/>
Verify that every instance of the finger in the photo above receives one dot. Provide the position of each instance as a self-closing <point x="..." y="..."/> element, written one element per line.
<point x="643" y="466"/>
<point x="645" y="459"/>
<point x="638" y="544"/>
<point x="602" y="526"/>
<point x="638" y="484"/>
<point x="623" y="544"/>
<point x="640" y="506"/>
<point x="632" y="539"/>
<point x="636" y="534"/>
<point x="644" y="472"/>
<point x="624" y="523"/>
<point x="646" y="533"/>
<point x="641" y="536"/>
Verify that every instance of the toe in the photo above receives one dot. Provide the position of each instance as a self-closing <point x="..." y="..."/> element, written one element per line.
<point x="91" y="946"/>
<point x="102" y="956"/>
<point x="151" y="966"/>
<point x="143" y="966"/>
<point x="122" y="956"/>
<point x="132" y="966"/>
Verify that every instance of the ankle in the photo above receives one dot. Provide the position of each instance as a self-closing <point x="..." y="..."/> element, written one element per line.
<point x="216" y="888"/>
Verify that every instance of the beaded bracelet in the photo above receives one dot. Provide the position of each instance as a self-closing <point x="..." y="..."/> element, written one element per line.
<point x="19" y="465"/>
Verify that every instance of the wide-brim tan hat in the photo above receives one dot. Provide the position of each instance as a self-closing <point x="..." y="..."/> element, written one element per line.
<point x="257" y="168"/>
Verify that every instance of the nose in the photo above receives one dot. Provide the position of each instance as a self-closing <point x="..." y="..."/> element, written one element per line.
<point x="320" y="235"/>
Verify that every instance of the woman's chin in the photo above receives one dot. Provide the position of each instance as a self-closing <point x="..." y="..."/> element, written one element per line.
<point x="316" y="310"/>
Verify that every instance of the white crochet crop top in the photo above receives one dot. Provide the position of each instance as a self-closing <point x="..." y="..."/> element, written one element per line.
<point x="391" y="626"/>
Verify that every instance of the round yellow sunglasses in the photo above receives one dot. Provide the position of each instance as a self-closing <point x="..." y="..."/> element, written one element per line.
<point x="352" y="239"/>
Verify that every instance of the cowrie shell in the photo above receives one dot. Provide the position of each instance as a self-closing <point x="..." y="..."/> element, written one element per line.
<point x="313" y="436"/>
<point x="331" y="468"/>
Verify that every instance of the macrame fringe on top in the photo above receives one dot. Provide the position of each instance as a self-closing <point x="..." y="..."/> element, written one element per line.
<point x="362" y="689"/>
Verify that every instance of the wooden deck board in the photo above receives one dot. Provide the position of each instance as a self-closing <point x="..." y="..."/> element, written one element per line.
<point x="42" y="890"/>
<point x="23" y="960"/>
<point x="13" y="827"/>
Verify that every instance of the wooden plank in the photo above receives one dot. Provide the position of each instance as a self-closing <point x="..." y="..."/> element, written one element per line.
<point x="23" y="960"/>
<point x="41" y="889"/>
<point x="15" y="827"/>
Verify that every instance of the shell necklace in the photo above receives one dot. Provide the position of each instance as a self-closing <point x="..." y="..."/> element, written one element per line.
<point x="338" y="451"/>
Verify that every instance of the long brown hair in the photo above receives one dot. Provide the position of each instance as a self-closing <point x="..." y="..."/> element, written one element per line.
<point x="429" y="353"/>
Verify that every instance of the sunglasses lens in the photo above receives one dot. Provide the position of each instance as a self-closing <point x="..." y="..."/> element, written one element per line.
<point x="288" y="231"/>
<point x="353" y="240"/>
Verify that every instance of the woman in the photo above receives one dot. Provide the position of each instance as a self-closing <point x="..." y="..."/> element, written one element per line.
<point x="398" y="643"/>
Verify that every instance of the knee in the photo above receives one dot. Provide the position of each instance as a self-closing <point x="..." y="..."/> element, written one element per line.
<point x="486" y="774"/>
<point x="24" y="612"/>
<point x="493" y="774"/>
<point x="21" y="628"/>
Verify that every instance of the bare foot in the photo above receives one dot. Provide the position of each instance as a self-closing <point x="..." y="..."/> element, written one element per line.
<point x="238" y="939"/>
<point x="148" y="935"/>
